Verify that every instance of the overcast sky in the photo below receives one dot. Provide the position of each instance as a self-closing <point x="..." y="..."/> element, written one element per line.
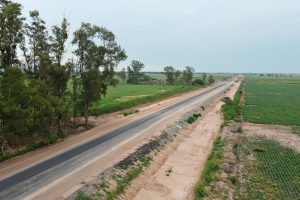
<point x="210" y="35"/>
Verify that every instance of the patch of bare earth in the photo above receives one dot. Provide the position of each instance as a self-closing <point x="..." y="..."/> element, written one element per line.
<point x="283" y="134"/>
<point x="224" y="182"/>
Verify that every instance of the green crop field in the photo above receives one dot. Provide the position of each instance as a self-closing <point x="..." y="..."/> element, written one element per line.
<point x="124" y="96"/>
<point x="267" y="170"/>
<point x="272" y="100"/>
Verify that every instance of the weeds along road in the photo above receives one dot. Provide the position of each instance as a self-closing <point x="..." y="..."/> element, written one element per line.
<point x="53" y="178"/>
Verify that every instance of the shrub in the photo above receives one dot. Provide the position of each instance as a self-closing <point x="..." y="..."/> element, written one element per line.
<point x="82" y="196"/>
<point x="191" y="119"/>
<point x="198" y="82"/>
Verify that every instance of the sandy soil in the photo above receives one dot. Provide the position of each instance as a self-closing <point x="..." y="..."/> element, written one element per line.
<point x="177" y="176"/>
<point x="282" y="134"/>
<point x="104" y="123"/>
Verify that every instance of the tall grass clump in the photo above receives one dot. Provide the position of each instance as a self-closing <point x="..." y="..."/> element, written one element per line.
<point x="232" y="108"/>
<point x="212" y="165"/>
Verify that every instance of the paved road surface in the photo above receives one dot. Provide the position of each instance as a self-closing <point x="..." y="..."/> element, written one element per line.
<point x="25" y="182"/>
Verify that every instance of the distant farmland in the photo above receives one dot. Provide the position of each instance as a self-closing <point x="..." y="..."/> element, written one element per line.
<point x="124" y="96"/>
<point x="273" y="100"/>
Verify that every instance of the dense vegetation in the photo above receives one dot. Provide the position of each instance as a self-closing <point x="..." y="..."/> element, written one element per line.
<point x="272" y="100"/>
<point x="34" y="98"/>
<point x="268" y="170"/>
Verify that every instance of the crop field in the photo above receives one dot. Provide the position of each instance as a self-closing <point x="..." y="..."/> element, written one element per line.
<point x="273" y="100"/>
<point x="124" y="96"/>
<point x="267" y="170"/>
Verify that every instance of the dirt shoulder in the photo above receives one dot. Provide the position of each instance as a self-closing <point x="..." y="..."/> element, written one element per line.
<point x="176" y="177"/>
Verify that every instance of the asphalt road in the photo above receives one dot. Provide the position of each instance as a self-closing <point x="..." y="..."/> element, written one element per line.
<point x="15" y="185"/>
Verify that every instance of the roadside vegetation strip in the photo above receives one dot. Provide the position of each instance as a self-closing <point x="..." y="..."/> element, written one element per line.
<point x="268" y="170"/>
<point x="114" y="180"/>
<point x="125" y="96"/>
<point x="232" y="108"/>
<point x="191" y="119"/>
<point x="212" y="165"/>
<point x="272" y="100"/>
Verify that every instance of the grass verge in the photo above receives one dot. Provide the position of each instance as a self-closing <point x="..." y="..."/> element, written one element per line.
<point x="126" y="96"/>
<point x="212" y="165"/>
<point x="232" y="108"/>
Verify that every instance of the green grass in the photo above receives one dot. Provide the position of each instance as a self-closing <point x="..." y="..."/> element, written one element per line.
<point x="272" y="100"/>
<point x="124" y="96"/>
<point x="232" y="108"/>
<point x="82" y="196"/>
<point x="267" y="170"/>
<point x="212" y="165"/>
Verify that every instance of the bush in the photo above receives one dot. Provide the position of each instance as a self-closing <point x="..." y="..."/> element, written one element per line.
<point x="198" y="82"/>
<point x="191" y="119"/>
<point x="82" y="196"/>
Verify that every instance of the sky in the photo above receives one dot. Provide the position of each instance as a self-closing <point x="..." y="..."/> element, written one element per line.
<point x="259" y="36"/>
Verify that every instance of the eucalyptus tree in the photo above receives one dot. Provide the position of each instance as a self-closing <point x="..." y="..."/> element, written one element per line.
<point x="187" y="75"/>
<point x="169" y="72"/>
<point x="98" y="56"/>
<point x="59" y="73"/>
<point x="134" y="71"/>
<point x="35" y="47"/>
<point x="11" y="23"/>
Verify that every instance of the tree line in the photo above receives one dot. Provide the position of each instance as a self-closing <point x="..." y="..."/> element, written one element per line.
<point x="185" y="76"/>
<point x="41" y="91"/>
<point x="38" y="89"/>
<point x="134" y="75"/>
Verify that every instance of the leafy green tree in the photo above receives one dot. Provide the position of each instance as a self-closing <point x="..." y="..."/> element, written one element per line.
<point x="14" y="108"/>
<point x="134" y="72"/>
<point x="96" y="61"/>
<point x="169" y="72"/>
<point x="211" y="80"/>
<point x="11" y="23"/>
<point x="59" y="74"/>
<point x="36" y="47"/>
<point x="43" y="105"/>
<point x="187" y="75"/>
<point x="122" y="74"/>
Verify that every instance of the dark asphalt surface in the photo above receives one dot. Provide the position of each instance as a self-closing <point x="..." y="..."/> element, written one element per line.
<point x="50" y="163"/>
